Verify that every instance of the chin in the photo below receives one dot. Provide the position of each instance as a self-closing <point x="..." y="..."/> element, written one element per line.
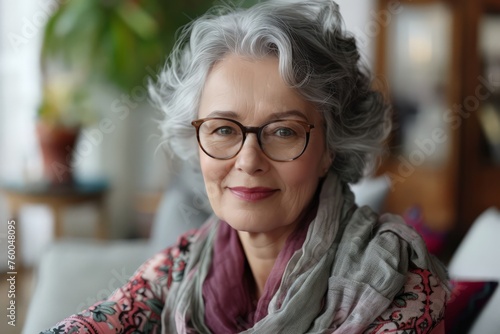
<point x="248" y="222"/>
<point x="256" y="222"/>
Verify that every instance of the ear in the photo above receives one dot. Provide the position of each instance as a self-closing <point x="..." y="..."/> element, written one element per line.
<point x="326" y="161"/>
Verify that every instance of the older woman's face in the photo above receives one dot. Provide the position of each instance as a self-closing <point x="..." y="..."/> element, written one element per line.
<point x="250" y="191"/>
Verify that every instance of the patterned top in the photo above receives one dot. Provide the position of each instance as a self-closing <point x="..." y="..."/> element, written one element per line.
<point x="136" y="307"/>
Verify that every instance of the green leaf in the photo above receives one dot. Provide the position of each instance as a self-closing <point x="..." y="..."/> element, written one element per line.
<point x="138" y="20"/>
<point x="112" y="41"/>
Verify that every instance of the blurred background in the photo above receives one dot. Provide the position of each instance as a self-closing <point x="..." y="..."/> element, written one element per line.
<point x="79" y="70"/>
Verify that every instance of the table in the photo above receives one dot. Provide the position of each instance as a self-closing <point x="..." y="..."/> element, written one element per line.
<point x="58" y="198"/>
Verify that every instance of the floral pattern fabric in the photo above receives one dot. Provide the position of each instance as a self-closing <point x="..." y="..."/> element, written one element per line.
<point x="417" y="309"/>
<point x="136" y="307"/>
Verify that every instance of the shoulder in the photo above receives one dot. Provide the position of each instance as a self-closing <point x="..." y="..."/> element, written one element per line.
<point x="170" y="263"/>
<point x="384" y="237"/>
<point x="385" y="225"/>
<point x="389" y="237"/>
<point x="418" y="307"/>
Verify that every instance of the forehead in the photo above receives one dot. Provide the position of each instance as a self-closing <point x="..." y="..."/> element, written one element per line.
<point x="250" y="88"/>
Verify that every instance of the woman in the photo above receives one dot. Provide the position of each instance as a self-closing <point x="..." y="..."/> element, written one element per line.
<point x="284" y="119"/>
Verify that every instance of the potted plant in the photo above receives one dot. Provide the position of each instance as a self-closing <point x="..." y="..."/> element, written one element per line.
<point x="62" y="112"/>
<point x="87" y="43"/>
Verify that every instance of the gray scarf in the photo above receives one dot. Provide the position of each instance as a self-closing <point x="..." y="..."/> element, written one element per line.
<point x="348" y="271"/>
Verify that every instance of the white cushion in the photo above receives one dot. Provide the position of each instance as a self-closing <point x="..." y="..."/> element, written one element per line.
<point x="371" y="192"/>
<point x="478" y="258"/>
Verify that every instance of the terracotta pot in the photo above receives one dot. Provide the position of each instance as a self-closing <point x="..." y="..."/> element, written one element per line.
<point x="57" y="144"/>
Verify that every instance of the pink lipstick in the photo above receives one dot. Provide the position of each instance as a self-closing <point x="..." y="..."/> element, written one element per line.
<point x="252" y="194"/>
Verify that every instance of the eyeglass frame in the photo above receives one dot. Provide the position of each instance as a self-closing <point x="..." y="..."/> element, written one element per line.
<point x="257" y="130"/>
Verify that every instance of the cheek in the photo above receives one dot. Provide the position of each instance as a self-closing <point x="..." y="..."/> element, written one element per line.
<point x="303" y="180"/>
<point x="214" y="172"/>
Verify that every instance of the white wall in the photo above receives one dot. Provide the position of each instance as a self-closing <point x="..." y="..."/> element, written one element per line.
<point x="363" y="21"/>
<point x="19" y="48"/>
<point x="19" y="93"/>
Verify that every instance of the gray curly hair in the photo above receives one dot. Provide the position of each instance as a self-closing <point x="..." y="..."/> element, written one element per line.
<point x="316" y="57"/>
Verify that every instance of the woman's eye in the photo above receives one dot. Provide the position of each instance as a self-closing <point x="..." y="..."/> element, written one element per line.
<point x="224" y="131"/>
<point x="284" y="132"/>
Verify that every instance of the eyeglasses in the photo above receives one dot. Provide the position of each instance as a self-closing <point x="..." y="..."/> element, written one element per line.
<point x="280" y="140"/>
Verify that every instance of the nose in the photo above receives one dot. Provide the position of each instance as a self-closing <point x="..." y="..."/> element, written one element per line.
<point x="251" y="159"/>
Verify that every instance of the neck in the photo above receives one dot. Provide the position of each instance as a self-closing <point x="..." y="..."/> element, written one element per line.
<point x="261" y="251"/>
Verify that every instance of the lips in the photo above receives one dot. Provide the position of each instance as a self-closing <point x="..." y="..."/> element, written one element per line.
<point x="252" y="194"/>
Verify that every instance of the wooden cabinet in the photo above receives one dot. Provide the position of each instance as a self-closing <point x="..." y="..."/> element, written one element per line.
<point x="480" y="172"/>
<point x="440" y="63"/>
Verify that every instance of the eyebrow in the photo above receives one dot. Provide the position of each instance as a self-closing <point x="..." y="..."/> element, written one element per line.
<point x="288" y="113"/>
<point x="274" y="116"/>
<point x="225" y="114"/>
